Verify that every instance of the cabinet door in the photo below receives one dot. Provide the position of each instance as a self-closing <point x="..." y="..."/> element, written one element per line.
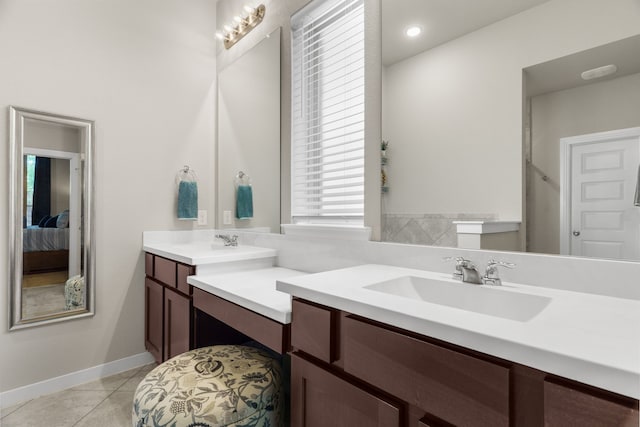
<point x="177" y="324"/>
<point x="320" y="399"/>
<point x="153" y="314"/>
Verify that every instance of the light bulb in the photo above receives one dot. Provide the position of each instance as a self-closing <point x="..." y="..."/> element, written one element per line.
<point x="228" y="29"/>
<point x="249" y="9"/>
<point x="237" y="19"/>
<point x="413" y="31"/>
<point x="219" y="35"/>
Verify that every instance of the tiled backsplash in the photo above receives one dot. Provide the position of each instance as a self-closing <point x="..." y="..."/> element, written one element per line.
<point x="426" y="229"/>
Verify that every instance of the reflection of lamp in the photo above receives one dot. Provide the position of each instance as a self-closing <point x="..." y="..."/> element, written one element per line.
<point x="241" y="26"/>
<point x="599" y="72"/>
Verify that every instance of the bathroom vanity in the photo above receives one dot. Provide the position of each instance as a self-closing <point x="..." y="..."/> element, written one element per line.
<point x="201" y="293"/>
<point x="369" y="346"/>
<point x="376" y="374"/>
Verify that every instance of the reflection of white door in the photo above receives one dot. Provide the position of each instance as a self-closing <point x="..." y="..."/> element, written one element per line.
<point x="75" y="203"/>
<point x="600" y="174"/>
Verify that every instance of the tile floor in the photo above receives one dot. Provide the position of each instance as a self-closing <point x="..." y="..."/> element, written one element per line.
<point x="102" y="403"/>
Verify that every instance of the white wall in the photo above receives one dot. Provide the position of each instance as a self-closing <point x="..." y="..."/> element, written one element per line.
<point x="599" y="107"/>
<point x="145" y="72"/>
<point x="453" y="114"/>
<point x="60" y="187"/>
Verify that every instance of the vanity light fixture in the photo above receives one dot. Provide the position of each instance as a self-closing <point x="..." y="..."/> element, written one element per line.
<point x="599" y="72"/>
<point x="241" y="25"/>
<point x="413" y="31"/>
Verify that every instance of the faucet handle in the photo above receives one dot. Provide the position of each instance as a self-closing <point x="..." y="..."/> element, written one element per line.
<point x="492" y="263"/>
<point x="460" y="263"/>
<point x="491" y="273"/>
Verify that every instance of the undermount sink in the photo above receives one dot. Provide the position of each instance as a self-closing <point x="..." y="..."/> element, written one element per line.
<point x="491" y="301"/>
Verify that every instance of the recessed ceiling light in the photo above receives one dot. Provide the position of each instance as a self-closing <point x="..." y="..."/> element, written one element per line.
<point x="413" y="31"/>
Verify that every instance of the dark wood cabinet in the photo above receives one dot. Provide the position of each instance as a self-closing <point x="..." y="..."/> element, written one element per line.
<point x="168" y="317"/>
<point x="341" y="362"/>
<point x="320" y="399"/>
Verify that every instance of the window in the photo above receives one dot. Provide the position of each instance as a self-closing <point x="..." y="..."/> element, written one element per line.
<point x="30" y="171"/>
<point x="327" y="158"/>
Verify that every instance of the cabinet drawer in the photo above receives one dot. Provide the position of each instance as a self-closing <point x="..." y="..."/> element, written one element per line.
<point x="165" y="271"/>
<point x="148" y="264"/>
<point x="567" y="406"/>
<point x="452" y="386"/>
<point x="183" y="272"/>
<point x="269" y="332"/>
<point x="312" y="330"/>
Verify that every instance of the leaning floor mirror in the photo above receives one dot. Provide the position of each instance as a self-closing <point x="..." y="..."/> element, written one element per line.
<point x="51" y="245"/>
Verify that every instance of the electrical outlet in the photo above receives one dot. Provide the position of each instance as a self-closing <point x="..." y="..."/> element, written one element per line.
<point x="202" y="217"/>
<point x="226" y="218"/>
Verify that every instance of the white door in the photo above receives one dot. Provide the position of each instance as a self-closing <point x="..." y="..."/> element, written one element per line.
<point x="603" y="220"/>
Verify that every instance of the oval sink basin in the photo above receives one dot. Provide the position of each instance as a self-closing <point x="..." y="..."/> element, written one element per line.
<point x="491" y="301"/>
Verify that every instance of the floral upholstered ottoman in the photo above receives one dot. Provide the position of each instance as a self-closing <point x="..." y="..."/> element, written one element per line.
<point x="223" y="385"/>
<point x="74" y="293"/>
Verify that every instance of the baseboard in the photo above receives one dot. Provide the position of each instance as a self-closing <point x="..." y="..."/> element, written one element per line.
<point x="31" y="391"/>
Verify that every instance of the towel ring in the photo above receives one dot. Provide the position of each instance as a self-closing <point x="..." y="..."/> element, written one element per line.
<point x="186" y="174"/>
<point x="242" y="179"/>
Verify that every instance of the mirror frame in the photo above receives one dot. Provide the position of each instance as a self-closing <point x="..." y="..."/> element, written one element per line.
<point x="17" y="118"/>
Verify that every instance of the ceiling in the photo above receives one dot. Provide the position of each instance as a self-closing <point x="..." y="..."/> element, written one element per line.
<point x="441" y="21"/>
<point x="564" y="73"/>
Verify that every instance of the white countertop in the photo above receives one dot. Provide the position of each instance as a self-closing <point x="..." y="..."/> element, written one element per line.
<point x="588" y="338"/>
<point x="206" y="252"/>
<point x="254" y="290"/>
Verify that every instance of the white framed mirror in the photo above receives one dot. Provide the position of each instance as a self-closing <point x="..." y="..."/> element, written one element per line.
<point x="51" y="245"/>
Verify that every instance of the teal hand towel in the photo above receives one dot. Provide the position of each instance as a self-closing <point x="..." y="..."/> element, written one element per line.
<point x="188" y="200"/>
<point x="244" y="202"/>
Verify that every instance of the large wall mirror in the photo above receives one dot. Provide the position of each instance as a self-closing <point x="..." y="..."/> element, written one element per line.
<point x="249" y="139"/>
<point x="52" y="275"/>
<point x="479" y="110"/>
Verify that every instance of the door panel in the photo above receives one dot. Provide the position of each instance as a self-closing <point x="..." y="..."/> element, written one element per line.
<point x="604" y="221"/>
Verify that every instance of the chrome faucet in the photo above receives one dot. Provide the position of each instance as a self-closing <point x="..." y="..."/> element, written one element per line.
<point x="491" y="273"/>
<point x="466" y="271"/>
<point x="228" y="240"/>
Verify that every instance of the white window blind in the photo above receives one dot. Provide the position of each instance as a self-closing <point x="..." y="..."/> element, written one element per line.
<point x="327" y="159"/>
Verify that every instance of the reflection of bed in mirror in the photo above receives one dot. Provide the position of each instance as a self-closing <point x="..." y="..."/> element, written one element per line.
<point x="45" y="249"/>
